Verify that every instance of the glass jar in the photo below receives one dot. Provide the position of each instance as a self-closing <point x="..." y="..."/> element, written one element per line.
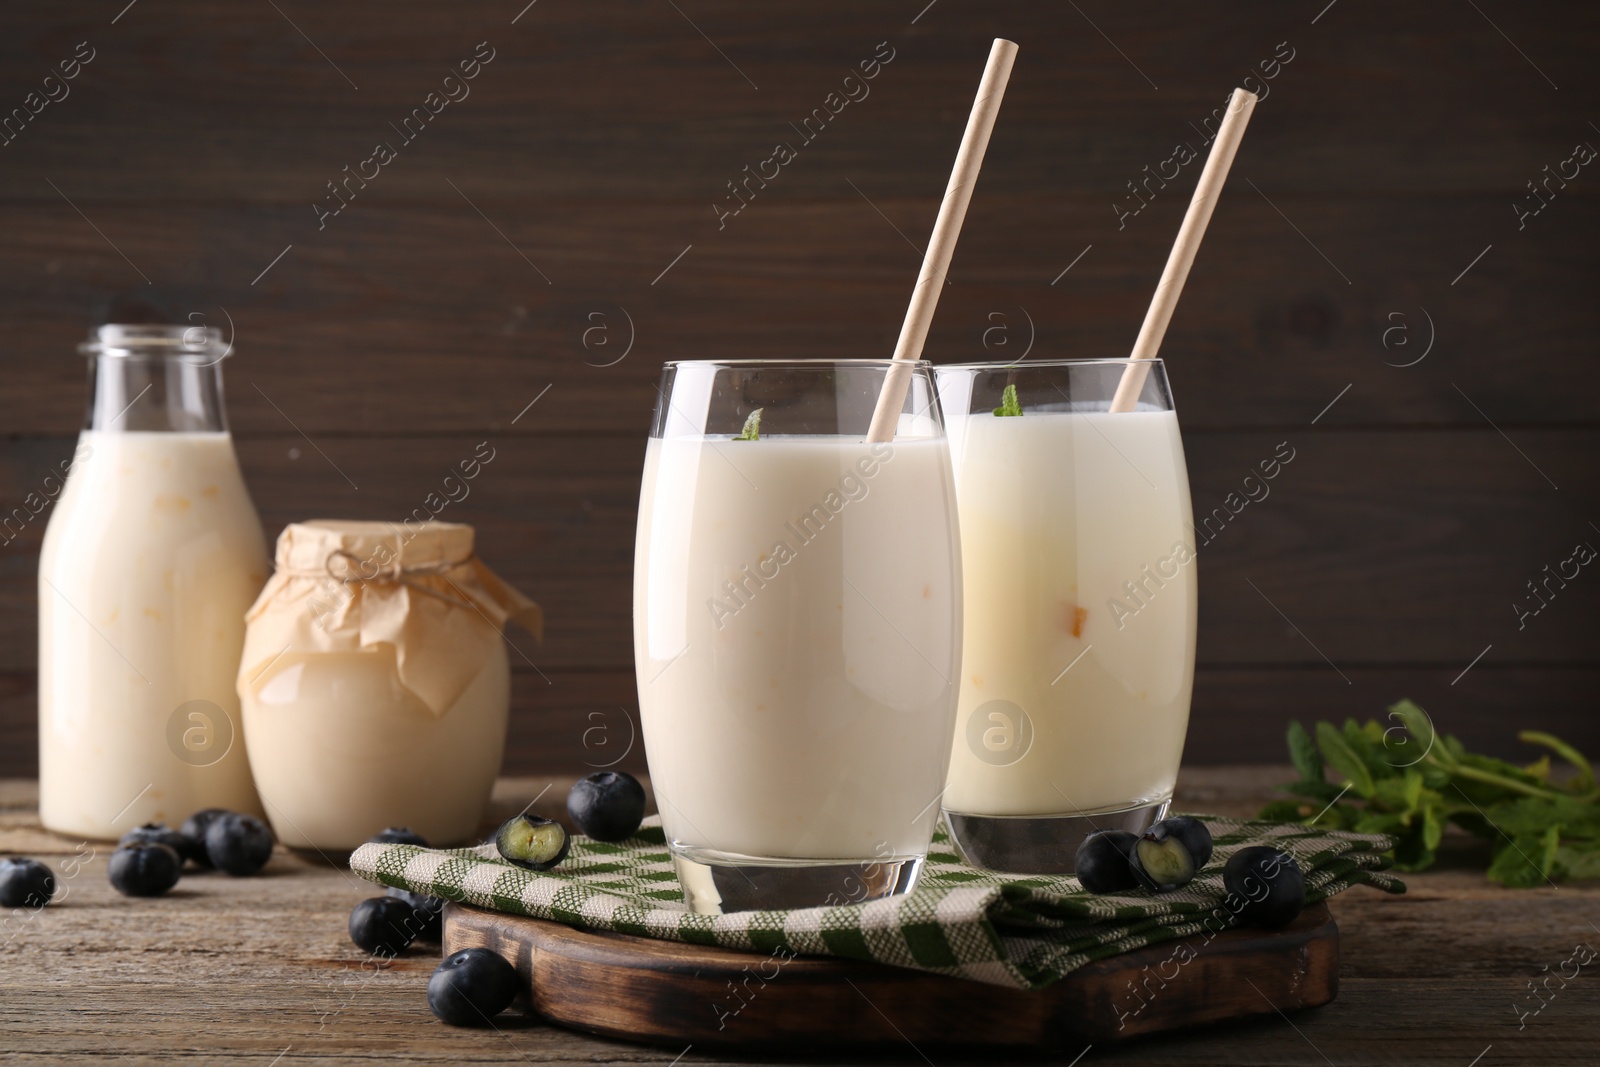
<point x="150" y="559"/>
<point x="375" y="685"/>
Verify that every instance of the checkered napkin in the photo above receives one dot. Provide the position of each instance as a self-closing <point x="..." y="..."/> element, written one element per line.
<point x="1023" y="932"/>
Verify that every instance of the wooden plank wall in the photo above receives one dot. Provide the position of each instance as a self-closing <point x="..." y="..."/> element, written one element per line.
<point x="519" y="247"/>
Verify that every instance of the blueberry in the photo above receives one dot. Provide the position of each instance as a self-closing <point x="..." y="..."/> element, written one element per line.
<point x="471" y="987"/>
<point x="1161" y="859"/>
<point x="144" y="869"/>
<point x="398" y="835"/>
<point x="1269" y="884"/>
<point x="1102" y="861"/>
<point x="157" y="833"/>
<point x="428" y="910"/>
<point x="533" y="841"/>
<point x="383" y="926"/>
<point x="25" y="883"/>
<point x="608" y="806"/>
<point x="194" y="832"/>
<point x="238" y="844"/>
<point x="1194" y="834"/>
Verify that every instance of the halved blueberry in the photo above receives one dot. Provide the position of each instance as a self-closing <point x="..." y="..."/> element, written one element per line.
<point x="1161" y="860"/>
<point x="1194" y="834"/>
<point x="533" y="841"/>
<point x="471" y="987"/>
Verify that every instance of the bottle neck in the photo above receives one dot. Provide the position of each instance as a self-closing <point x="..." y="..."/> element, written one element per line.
<point x="155" y="393"/>
<point x="157" y="378"/>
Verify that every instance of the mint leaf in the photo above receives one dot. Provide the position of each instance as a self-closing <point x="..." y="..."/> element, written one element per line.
<point x="1531" y="815"/>
<point x="1009" y="404"/>
<point x="1433" y="823"/>
<point x="1418" y="740"/>
<point x="1585" y="779"/>
<point x="752" y="427"/>
<point x="1378" y="822"/>
<point x="1342" y="758"/>
<point x="1303" y="754"/>
<point x="1409" y="781"/>
<point x="1526" y="860"/>
<point x="1366" y="741"/>
<point x="1403" y="795"/>
<point x="1578" y="860"/>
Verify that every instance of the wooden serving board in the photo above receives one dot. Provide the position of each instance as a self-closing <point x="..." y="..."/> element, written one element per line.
<point x="667" y="993"/>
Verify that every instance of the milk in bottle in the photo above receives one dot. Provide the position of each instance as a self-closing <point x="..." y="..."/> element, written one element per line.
<point x="151" y="558"/>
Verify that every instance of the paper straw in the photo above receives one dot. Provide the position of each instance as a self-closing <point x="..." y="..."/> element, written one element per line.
<point x="946" y="228"/>
<point x="1212" y="178"/>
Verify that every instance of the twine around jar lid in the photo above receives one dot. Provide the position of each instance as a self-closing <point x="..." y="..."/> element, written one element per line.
<point x="345" y="586"/>
<point x="396" y="574"/>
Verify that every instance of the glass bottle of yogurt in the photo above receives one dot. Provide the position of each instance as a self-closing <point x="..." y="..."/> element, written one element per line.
<point x="151" y="559"/>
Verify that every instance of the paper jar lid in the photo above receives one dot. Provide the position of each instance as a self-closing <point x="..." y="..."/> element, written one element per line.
<point x="349" y="586"/>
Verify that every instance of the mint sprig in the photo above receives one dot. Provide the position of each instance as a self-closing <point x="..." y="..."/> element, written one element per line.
<point x="1409" y="781"/>
<point x="1009" y="404"/>
<point x="752" y="427"/>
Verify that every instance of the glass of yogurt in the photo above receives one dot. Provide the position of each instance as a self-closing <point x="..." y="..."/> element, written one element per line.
<point x="1079" y="563"/>
<point x="797" y="630"/>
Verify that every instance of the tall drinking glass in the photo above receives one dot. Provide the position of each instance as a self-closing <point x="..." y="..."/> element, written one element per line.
<point x="1079" y="564"/>
<point x="797" y="630"/>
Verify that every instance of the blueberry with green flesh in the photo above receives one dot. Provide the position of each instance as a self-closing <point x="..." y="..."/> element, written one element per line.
<point x="144" y="869"/>
<point x="398" y="835"/>
<point x="238" y="844"/>
<point x="1102" y="861"/>
<point x="1194" y="834"/>
<point x="25" y="883"/>
<point x="157" y="833"/>
<point x="471" y="987"/>
<point x="1269" y="885"/>
<point x="194" y="832"/>
<point x="607" y="806"/>
<point x="532" y="841"/>
<point x="1161" y="860"/>
<point x="428" y="910"/>
<point x="383" y="926"/>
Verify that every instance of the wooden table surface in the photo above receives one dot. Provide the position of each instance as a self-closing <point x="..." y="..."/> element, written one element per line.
<point x="260" y="970"/>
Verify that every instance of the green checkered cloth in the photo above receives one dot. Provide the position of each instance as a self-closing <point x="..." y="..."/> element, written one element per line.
<point x="1022" y="932"/>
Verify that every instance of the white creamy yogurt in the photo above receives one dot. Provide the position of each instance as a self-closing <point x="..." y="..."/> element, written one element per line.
<point x="1078" y="558"/>
<point x="797" y="637"/>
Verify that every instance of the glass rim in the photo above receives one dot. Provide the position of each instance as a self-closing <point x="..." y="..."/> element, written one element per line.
<point x="1086" y="361"/>
<point x="154" y="341"/>
<point x="768" y="364"/>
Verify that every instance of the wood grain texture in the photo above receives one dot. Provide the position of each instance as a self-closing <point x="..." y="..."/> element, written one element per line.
<point x="255" y="968"/>
<point x="668" y="994"/>
<point x="518" y="244"/>
<point x="419" y="316"/>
